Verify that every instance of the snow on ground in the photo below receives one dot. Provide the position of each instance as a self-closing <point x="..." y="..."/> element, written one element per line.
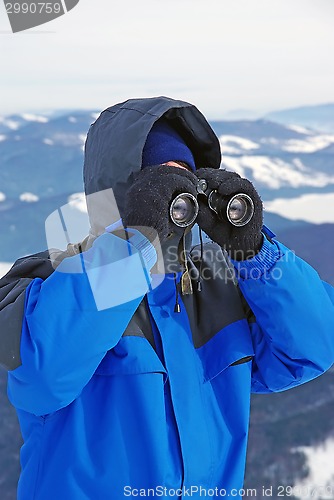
<point x="319" y="485"/>
<point x="276" y="173"/>
<point x="34" y="118"/>
<point x="78" y="201"/>
<point x="270" y="140"/>
<point x="232" y="144"/>
<point x="29" y="197"/>
<point x="67" y="139"/>
<point x="300" y="130"/>
<point x="13" y="125"/>
<point x="309" y="145"/>
<point x="68" y="223"/>
<point x="49" y="142"/>
<point x="4" y="268"/>
<point x="82" y="138"/>
<point x="315" y="208"/>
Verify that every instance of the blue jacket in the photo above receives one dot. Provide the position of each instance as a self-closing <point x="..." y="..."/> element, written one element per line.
<point x="104" y="415"/>
<point x="101" y="412"/>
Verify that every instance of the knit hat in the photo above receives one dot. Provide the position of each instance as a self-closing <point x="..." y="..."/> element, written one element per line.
<point x="164" y="144"/>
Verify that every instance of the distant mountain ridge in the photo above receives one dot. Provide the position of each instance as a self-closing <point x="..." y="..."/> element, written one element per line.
<point x="31" y="142"/>
<point x="41" y="158"/>
<point x="318" y="117"/>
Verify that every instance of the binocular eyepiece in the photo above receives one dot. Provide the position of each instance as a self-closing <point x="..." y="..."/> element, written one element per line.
<point x="238" y="209"/>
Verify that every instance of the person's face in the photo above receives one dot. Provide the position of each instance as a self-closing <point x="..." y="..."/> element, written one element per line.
<point x="175" y="164"/>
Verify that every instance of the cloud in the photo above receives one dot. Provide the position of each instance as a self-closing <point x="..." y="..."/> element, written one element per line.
<point x="219" y="54"/>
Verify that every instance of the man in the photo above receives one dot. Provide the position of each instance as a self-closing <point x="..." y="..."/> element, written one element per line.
<point x="129" y="382"/>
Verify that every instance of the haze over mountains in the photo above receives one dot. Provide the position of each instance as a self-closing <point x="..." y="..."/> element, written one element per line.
<point x="320" y="117"/>
<point x="289" y="156"/>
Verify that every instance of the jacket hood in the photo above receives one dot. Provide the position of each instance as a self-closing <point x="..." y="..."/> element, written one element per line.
<point x="114" y="147"/>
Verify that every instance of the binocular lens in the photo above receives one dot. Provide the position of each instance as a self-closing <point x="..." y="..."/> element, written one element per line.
<point x="240" y="210"/>
<point x="184" y="210"/>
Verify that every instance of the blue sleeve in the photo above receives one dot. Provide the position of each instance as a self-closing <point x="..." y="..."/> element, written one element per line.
<point x="74" y="317"/>
<point x="293" y="330"/>
<point x="330" y="290"/>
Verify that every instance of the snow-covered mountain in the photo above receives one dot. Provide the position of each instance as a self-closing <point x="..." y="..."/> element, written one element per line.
<point x="291" y="441"/>
<point x="282" y="161"/>
<point x="41" y="158"/>
<point x="315" y="208"/>
<point x="15" y="122"/>
<point x="46" y="152"/>
<point x="319" y="484"/>
<point x="4" y="268"/>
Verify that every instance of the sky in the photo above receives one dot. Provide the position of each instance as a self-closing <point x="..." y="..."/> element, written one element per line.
<point x="221" y="55"/>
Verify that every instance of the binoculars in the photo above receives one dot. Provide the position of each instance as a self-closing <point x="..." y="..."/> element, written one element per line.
<point x="237" y="209"/>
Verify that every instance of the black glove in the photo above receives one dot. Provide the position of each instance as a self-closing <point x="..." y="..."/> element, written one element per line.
<point x="240" y="242"/>
<point x="148" y="199"/>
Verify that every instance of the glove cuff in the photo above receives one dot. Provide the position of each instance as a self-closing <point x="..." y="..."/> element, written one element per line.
<point x="263" y="261"/>
<point x="245" y="247"/>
